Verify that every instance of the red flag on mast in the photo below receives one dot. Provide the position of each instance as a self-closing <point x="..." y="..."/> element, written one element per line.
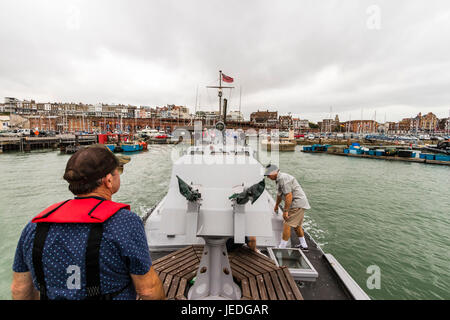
<point x="227" y="78"/>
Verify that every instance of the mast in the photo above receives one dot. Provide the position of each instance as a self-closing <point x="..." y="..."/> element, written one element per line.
<point x="220" y="93"/>
<point x="196" y="102"/>
<point x="240" y="97"/>
<point x="220" y="87"/>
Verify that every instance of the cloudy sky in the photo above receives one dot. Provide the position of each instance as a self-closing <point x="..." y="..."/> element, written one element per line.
<point x="307" y="57"/>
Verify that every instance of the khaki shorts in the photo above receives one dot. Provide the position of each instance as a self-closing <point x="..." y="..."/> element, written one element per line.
<point x="295" y="217"/>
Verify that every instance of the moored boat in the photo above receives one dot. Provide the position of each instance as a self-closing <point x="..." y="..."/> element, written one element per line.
<point x="111" y="147"/>
<point x="132" y="146"/>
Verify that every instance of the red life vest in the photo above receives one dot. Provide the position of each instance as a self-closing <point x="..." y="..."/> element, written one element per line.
<point x="93" y="210"/>
<point x="80" y="210"/>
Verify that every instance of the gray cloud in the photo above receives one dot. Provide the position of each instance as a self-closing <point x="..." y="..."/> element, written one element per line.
<point x="294" y="56"/>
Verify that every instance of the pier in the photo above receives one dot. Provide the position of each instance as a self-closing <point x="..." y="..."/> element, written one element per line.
<point x="26" y="144"/>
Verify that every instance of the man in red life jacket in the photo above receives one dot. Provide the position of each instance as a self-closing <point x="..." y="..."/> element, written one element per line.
<point x="88" y="247"/>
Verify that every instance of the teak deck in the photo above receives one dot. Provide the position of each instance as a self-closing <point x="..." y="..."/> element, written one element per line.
<point x="257" y="275"/>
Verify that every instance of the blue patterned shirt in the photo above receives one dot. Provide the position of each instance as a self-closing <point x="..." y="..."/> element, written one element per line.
<point x="123" y="251"/>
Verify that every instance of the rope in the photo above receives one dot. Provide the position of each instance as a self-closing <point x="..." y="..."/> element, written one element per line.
<point x="148" y="214"/>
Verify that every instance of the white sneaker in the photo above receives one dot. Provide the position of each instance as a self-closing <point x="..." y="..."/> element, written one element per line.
<point x="301" y="247"/>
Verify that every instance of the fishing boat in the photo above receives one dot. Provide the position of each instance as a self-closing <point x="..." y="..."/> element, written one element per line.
<point x="111" y="146"/>
<point x="217" y="194"/>
<point x="132" y="146"/>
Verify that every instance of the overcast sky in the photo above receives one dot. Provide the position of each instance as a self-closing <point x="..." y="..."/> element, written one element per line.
<point x="350" y="57"/>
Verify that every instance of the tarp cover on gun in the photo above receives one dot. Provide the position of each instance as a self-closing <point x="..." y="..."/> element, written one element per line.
<point x="253" y="192"/>
<point x="187" y="192"/>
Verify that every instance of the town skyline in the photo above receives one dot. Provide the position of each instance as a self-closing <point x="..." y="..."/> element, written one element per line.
<point x="36" y="111"/>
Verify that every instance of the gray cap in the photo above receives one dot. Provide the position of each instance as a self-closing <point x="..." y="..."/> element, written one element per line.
<point x="270" y="168"/>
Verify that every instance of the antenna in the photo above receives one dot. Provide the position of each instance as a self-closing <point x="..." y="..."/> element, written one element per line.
<point x="196" y="100"/>
<point x="240" y="96"/>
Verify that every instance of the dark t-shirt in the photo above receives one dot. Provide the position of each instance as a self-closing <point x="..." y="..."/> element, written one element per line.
<point x="123" y="251"/>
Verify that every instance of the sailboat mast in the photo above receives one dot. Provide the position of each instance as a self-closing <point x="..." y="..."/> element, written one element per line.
<point x="220" y="93"/>
<point x="240" y="97"/>
<point x="196" y="101"/>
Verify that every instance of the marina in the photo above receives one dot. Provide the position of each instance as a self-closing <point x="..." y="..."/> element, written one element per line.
<point x="390" y="153"/>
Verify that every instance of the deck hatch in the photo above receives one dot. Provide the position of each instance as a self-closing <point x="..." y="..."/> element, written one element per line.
<point x="298" y="264"/>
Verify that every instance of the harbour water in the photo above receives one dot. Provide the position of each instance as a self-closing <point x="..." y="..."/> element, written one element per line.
<point x="392" y="215"/>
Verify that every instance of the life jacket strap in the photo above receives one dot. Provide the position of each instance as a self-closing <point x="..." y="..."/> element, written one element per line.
<point x="38" y="246"/>
<point x="93" y="261"/>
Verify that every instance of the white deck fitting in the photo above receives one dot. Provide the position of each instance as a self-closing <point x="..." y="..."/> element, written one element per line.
<point x="216" y="176"/>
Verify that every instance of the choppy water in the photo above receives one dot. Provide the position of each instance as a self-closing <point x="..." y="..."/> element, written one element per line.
<point x="365" y="212"/>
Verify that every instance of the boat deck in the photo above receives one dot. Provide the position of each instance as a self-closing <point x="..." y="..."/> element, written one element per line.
<point x="257" y="275"/>
<point x="328" y="285"/>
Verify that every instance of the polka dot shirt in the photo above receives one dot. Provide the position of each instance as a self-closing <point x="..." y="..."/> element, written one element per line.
<point x="123" y="251"/>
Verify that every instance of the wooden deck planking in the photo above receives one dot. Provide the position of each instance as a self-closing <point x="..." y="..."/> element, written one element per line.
<point x="269" y="286"/>
<point x="285" y="285"/>
<point x="173" y="287"/>
<point x="258" y="276"/>
<point x="169" y="256"/>
<point x="277" y="285"/>
<point x="291" y="282"/>
<point x="167" y="283"/>
<point x="181" y="289"/>
<point x="261" y="287"/>
<point x="253" y="288"/>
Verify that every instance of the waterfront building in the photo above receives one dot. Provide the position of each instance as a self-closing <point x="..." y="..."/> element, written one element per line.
<point x="300" y="124"/>
<point x="4" y="122"/>
<point x="429" y="122"/>
<point x="444" y="125"/>
<point x="285" y="122"/>
<point x="212" y="116"/>
<point x="269" y="118"/>
<point x="11" y="104"/>
<point x="329" y="125"/>
<point x="235" y="115"/>
<point x="419" y="123"/>
<point x="177" y="112"/>
<point x="361" y="126"/>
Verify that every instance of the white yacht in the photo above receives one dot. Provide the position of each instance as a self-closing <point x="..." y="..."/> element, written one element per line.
<point x="147" y="133"/>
